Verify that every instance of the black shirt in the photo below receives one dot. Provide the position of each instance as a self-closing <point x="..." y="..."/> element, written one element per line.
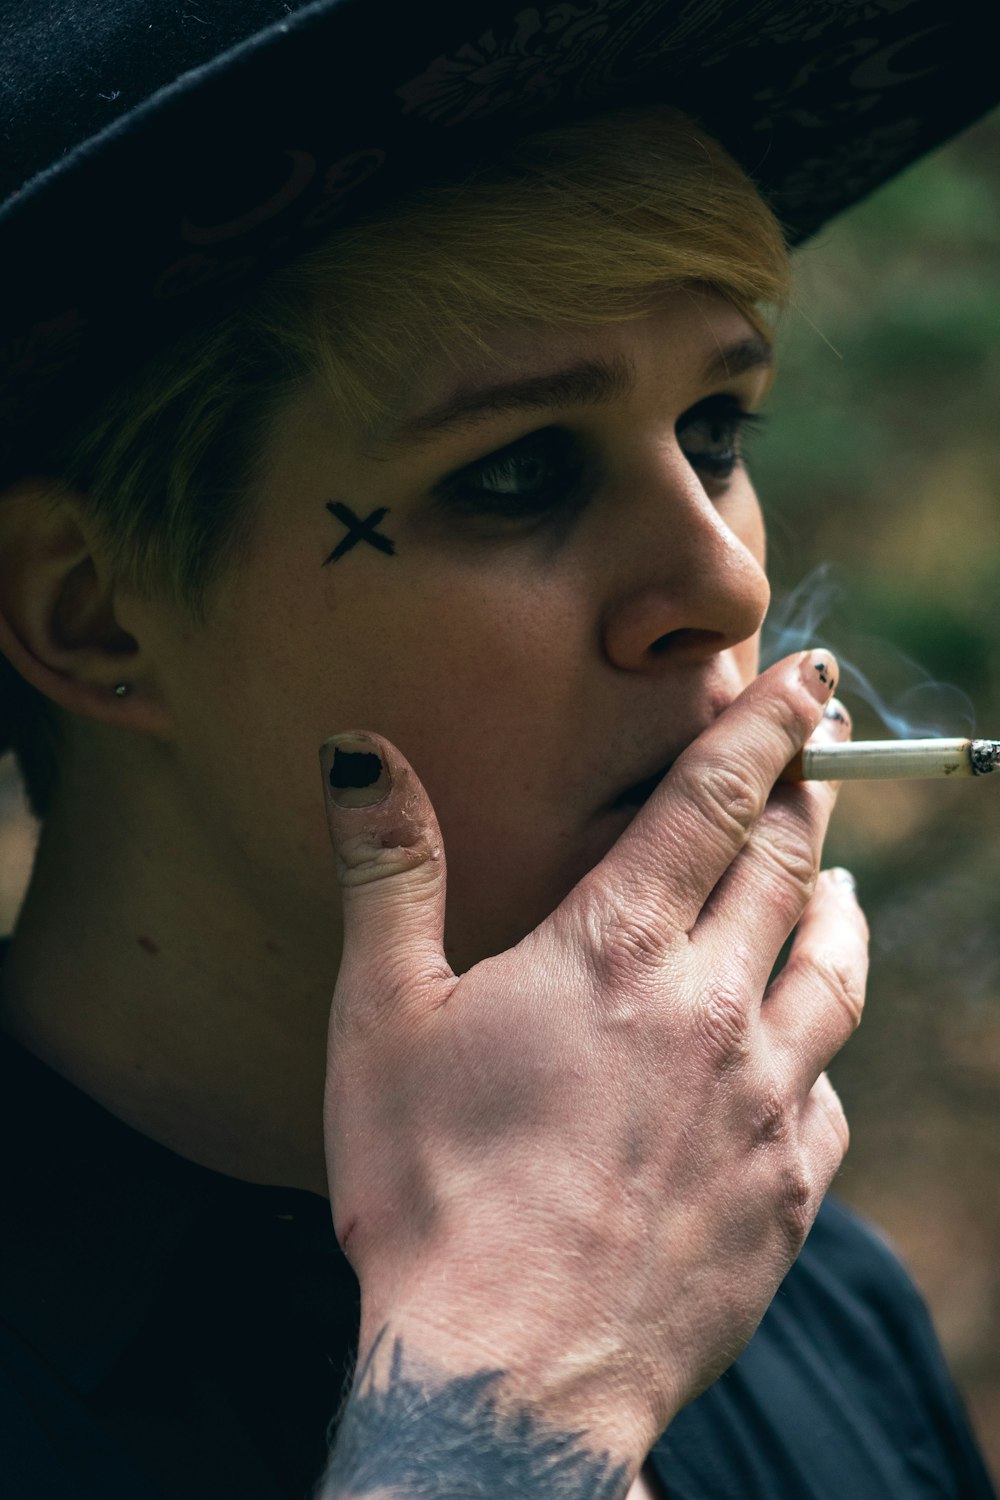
<point x="167" y="1333"/>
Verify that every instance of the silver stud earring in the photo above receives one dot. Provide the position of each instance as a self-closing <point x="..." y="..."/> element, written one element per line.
<point x="122" y="690"/>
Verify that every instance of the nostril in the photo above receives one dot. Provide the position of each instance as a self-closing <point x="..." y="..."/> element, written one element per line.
<point x="689" y="642"/>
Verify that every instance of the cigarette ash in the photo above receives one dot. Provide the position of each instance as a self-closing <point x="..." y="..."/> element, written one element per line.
<point x="984" y="756"/>
<point x="916" y="707"/>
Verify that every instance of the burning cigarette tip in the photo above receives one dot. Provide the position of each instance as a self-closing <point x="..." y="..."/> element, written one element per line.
<point x="984" y="756"/>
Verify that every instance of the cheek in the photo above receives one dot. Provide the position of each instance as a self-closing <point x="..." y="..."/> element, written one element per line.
<point x="470" y="678"/>
<point x="454" y="665"/>
<point x="480" y="690"/>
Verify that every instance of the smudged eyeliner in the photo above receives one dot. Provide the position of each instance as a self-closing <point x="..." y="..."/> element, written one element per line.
<point x="550" y="469"/>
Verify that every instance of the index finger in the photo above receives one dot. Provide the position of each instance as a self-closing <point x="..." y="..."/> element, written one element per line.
<point x="683" y="840"/>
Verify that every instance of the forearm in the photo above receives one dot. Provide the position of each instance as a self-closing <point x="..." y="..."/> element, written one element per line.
<point x="413" y="1432"/>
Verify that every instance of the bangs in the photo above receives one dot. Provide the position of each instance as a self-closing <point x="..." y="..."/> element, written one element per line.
<point x="579" y="226"/>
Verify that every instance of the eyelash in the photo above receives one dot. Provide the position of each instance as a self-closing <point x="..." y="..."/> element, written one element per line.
<point x="560" y="466"/>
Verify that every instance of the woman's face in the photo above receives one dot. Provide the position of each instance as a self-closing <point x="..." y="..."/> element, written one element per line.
<point x="540" y="598"/>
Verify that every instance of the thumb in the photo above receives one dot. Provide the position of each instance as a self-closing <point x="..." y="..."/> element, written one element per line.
<point x="391" y="866"/>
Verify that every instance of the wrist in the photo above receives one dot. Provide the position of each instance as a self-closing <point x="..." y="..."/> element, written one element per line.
<point x="555" y="1358"/>
<point x="414" y="1427"/>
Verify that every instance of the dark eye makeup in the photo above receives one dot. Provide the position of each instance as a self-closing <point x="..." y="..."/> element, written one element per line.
<point x="538" y="473"/>
<point x="713" y="434"/>
<point x="550" y="469"/>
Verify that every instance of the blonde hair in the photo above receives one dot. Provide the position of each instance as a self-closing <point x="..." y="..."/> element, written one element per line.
<point x="574" y="226"/>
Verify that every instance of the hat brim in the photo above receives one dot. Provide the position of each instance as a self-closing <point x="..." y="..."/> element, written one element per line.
<point x="159" y="200"/>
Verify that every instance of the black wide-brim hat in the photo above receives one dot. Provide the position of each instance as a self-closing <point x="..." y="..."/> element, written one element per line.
<point x="159" y="155"/>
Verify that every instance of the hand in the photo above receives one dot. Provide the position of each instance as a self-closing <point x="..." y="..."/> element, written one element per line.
<point x="590" y="1160"/>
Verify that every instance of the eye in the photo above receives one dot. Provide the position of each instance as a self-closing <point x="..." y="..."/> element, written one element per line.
<point x="537" y="474"/>
<point x="712" y="435"/>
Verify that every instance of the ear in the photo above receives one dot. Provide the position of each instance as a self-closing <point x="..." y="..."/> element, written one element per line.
<point x="57" y="612"/>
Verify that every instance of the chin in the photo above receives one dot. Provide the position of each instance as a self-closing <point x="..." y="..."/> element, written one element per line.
<point x="484" y="922"/>
<point x="471" y="937"/>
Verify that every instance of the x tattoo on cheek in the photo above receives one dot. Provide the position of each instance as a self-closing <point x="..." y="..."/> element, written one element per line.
<point x="358" y="530"/>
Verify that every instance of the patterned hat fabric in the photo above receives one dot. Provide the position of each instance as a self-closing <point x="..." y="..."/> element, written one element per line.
<point x="160" y="155"/>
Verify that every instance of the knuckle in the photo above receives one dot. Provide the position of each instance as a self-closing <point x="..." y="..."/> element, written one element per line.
<point x="796" y="1205"/>
<point x="621" y="953"/>
<point x="794" y="864"/>
<point x="364" y="858"/>
<point x="728" y="800"/>
<point x="771" y="1120"/>
<point x="844" y="985"/>
<point x="724" y="1019"/>
<point x="627" y="939"/>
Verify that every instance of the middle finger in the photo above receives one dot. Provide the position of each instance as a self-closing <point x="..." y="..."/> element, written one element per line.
<point x="765" y="890"/>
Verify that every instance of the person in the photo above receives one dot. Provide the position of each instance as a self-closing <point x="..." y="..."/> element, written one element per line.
<point x="438" y="466"/>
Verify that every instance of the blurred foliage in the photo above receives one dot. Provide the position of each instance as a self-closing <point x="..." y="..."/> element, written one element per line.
<point x="880" y="458"/>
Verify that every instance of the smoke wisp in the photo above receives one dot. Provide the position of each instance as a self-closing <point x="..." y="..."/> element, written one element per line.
<point x="895" y="690"/>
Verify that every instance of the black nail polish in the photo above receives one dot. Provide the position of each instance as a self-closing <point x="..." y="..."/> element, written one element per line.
<point x="356" y="775"/>
<point x="354" y="768"/>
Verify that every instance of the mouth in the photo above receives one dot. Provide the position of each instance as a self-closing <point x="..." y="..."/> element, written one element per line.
<point x="679" y="739"/>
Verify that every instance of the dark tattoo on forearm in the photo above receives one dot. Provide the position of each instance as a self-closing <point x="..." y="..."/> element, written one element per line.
<point x="358" y="530"/>
<point x="421" y="1438"/>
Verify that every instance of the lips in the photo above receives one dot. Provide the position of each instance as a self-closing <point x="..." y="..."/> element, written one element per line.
<point x="717" y="700"/>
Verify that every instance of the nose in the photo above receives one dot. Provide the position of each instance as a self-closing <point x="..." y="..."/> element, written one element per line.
<point x="689" y="578"/>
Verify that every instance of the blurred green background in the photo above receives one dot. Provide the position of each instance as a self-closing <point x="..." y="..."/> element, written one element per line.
<point x="880" y="466"/>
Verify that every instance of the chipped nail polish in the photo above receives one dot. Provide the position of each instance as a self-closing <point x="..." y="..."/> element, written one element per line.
<point x="354" y="772"/>
<point x="819" y="673"/>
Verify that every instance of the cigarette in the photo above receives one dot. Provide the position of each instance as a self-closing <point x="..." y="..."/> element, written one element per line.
<point x="894" y="760"/>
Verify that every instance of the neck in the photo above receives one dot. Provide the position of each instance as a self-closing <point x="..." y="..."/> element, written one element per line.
<point x="141" y="971"/>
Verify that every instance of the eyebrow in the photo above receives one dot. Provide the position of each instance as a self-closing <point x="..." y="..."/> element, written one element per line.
<point x="753" y="353"/>
<point x="590" y="381"/>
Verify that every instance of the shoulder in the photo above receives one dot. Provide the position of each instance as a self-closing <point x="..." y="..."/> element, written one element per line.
<point x="850" y="1271"/>
<point x="850" y="1293"/>
<point x="95" y="1217"/>
<point x="843" y="1390"/>
<point x="51" y="1446"/>
<point x="859" y="1256"/>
